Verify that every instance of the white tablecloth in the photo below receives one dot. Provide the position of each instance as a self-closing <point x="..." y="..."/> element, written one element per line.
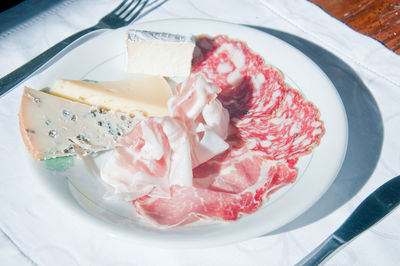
<point x="36" y="231"/>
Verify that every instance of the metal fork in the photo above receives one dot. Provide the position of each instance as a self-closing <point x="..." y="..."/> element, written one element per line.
<point x="121" y="16"/>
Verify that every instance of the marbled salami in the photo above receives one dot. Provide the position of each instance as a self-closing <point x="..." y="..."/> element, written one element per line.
<point x="270" y="116"/>
<point x="271" y="125"/>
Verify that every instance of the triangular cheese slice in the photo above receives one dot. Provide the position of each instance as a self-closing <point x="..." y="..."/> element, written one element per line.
<point x="149" y="94"/>
<point x="52" y="126"/>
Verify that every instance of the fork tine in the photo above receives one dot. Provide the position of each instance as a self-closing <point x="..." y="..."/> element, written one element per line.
<point x="152" y="3"/>
<point x="119" y="7"/>
<point x="151" y="9"/>
<point x="128" y="9"/>
<point x="132" y="15"/>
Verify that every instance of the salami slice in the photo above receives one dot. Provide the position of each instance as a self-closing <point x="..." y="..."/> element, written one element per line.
<point x="292" y="130"/>
<point x="225" y="63"/>
<point x="248" y="85"/>
<point x="270" y="116"/>
<point x="271" y="125"/>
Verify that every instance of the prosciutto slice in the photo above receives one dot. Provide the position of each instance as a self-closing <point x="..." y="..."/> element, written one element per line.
<point x="225" y="148"/>
<point x="196" y="104"/>
<point x="149" y="159"/>
<point x="188" y="204"/>
<point x="160" y="152"/>
<point x="271" y="126"/>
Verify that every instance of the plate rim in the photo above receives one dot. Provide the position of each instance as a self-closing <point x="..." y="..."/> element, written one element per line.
<point x="110" y="228"/>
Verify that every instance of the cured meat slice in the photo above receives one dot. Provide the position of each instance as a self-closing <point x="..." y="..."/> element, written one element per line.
<point x="204" y="47"/>
<point x="191" y="203"/>
<point x="232" y="171"/>
<point x="268" y="89"/>
<point x="160" y="152"/>
<point x="206" y="120"/>
<point x="248" y="85"/>
<point x="270" y="116"/>
<point x="260" y="93"/>
<point x="195" y="102"/>
<point x="149" y="159"/>
<point x="226" y="187"/>
<point x="224" y="62"/>
<point x="270" y="126"/>
<point x="292" y="130"/>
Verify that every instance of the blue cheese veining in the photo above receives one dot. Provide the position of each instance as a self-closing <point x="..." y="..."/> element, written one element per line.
<point x="52" y="126"/>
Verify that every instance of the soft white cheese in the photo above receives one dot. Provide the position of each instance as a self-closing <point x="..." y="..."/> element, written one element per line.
<point x="157" y="53"/>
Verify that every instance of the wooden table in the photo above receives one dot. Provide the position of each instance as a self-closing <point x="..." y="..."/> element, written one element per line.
<point x="379" y="19"/>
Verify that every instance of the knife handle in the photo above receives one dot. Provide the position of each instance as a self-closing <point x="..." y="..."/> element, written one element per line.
<point x="322" y="252"/>
<point x="371" y="210"/>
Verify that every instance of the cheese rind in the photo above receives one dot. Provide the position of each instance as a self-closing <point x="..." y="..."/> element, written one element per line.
<point x="158" y="53"/>
<point x="151" y="36"/>
<point x="52" y="126"/>
<point x="148" y="95"/>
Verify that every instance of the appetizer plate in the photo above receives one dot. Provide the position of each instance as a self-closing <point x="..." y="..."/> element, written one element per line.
<point x="75" y="182"/>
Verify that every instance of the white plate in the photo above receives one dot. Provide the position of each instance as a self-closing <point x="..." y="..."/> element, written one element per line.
<point x="75" y="184"/>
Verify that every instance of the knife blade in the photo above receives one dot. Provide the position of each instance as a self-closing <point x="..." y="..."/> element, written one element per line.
<point x="371" y="210"/>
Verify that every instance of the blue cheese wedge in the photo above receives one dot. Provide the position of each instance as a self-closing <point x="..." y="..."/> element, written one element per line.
<point x="159" y="53"/>
<point x="148" y="95"/>
<point x="52" y="126"/>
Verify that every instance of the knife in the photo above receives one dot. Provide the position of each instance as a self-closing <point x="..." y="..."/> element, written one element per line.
<point x="376" y="206"/>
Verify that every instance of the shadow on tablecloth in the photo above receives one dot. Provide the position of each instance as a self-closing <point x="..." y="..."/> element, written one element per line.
<point x="25" y="11"/>
<point x="365" y="130"/>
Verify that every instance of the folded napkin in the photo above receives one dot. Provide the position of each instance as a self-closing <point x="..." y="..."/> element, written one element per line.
<point x="34" y="230"/>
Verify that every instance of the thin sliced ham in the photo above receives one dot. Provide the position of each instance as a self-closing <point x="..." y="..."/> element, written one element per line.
<point x="271" y="126"/>
<point x="193" y="203"/>
<point x="196" y="104"/>
<point x="149" y="159"/>
<point x="224" y="149"/>
<point x="161" y="152"/>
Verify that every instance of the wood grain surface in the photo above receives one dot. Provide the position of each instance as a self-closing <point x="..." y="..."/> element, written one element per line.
<point x="379" y="19"/>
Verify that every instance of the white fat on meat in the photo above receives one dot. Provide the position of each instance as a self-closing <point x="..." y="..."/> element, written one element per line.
<point x="196" y="104"/>
<point x="161" y="152"/>
<point x="150" y="158"/>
